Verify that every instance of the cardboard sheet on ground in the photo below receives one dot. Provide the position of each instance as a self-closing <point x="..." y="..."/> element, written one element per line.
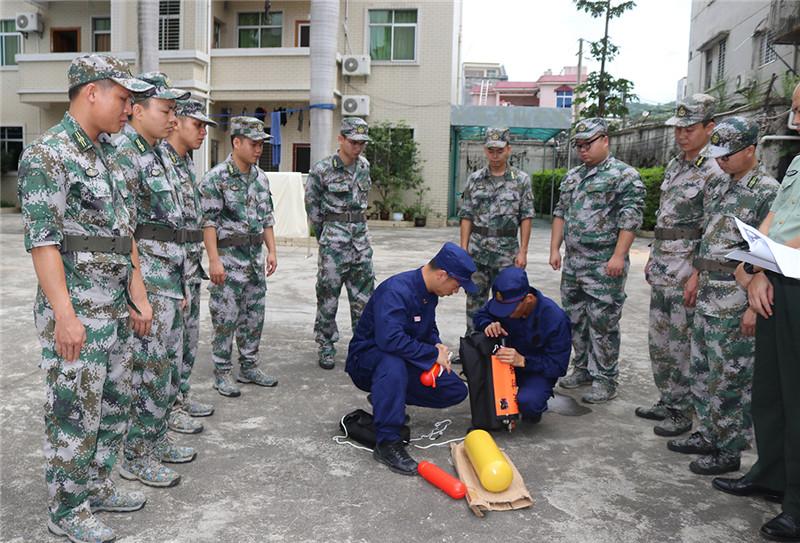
<point x="481" y="500"/>
<point x="288" y="194"/>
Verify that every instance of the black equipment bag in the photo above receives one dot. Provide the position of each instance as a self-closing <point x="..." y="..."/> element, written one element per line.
<point x="358" y="425"/>
<point x="476" y="351"/>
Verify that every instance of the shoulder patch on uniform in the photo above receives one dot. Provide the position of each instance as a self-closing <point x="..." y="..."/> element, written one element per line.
<point x="140" y="144"/>
<point x="752" y="182"/>
<point x="230" y="168"/>
<point x="700" y="161"/>
<point x="81" y="140"/>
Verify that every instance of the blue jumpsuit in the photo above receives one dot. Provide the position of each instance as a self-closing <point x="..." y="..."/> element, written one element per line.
<point x="544" y="338"/>
<point x="393" y="344"/>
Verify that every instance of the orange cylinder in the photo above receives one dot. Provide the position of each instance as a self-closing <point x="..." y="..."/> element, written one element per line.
<point x="442" y="480"/>
<point x="428" y="378"/>
<point x="490" y="465"/>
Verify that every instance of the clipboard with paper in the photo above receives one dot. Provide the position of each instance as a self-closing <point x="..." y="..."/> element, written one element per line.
<point x="765" y="253"/>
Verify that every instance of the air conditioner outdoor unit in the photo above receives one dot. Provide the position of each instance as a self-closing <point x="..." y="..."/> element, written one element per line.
<point x="355" y="65"/>
<point x="355" y="105"/>
<point x="28" y="22"/>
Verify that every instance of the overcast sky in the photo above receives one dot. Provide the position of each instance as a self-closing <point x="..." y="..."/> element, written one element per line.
<point x="530" y="36"/>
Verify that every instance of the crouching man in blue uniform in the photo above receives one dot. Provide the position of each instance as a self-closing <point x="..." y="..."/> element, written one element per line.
<point x="396" y="340"/>
<point x="537" y="334"/>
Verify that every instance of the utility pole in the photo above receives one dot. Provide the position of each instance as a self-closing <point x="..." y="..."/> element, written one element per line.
<point x="147" y="11"/>
<point x="576" y="93"/>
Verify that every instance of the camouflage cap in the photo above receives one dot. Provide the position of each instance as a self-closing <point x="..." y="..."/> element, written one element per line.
<point x="355" y="129"/>
<point x="497" y="137"/>
<point x="194" y="109"/>
<point x="586" y="129"/>
<point x="163" y="88"/>
<point x="731" y="136"/>
<point x="249" y="127"/>
<point x="697" y="109"/>
<point x="88" y="68"/>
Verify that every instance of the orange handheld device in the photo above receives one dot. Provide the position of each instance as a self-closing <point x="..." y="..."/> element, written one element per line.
<point x="504" y="382"/>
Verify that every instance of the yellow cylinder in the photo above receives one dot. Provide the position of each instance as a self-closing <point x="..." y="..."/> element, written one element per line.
<point x="489" y="463"/>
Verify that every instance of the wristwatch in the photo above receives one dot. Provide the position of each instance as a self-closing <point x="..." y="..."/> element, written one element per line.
<point x="748" y="268"/>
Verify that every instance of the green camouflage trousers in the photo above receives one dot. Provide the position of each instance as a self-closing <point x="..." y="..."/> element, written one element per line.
<point x="594" y="305"/>
<point x="669" y="338"/>
<point x="484" y="279"/>
<point x="191" y="335"/>
<point x="86" y="411"/>
<point x="156" y="362"/>
<point x="237" y="308"/>
<point x="336" y="268"/>
<point x="722" y="378"/>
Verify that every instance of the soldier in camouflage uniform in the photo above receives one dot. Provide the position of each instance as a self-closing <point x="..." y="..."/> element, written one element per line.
<point x="79" y="225"/>
<point x="497" y="200"/>
<point x="188" y="136"/>
<point x="337" y="190"/>
<point x="159" y="208"/>
<point x="677" y="235"/>
<point x="597" y="214"/>
<point x="723" y="326"/>
<point x="237" y="223"/>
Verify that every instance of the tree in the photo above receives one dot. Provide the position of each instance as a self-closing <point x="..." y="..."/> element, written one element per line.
<point x="604" y="94"/>
<point x="395" y="165"/>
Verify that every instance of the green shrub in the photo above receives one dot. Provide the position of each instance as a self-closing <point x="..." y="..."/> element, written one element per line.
<point x="541" y="180"/>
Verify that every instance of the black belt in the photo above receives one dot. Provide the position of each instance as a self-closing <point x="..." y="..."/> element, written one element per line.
<point x="120" y="245"/>
<point x="495" y="232"/>
<point x="350" y="216"/>
<point x="166" y="233"/>
<point x="237" y="240"/>
<point x="712" y="266"/>
<point x="678" y="233"/>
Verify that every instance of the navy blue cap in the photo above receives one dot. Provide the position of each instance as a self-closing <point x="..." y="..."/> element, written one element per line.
<point x="510" y="287"/>
<point x="458" y="265"/>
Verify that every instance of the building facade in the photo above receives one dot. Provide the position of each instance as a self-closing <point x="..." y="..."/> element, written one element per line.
<point x="243" y="61"/>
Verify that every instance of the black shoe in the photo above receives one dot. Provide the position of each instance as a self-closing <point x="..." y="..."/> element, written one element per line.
<point x="716" y="463"/>
<point x="675" y="425"/>
<point x="694" y="444"/>
<point x="743" y="487"/>
<point x="395" y="455"/>
<point x="657" y="411"/>
<point x="327" y="362"/>
<point x="784" y="527"/>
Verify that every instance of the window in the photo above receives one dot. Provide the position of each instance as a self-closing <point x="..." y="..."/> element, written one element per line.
<point x="101" y="34"/>
<point x="721" y="63"/>
<point x="65" y="40"/>
<point x="217" y="34"/>
<point x="265" y="162"/>
<point x="10" y="42"/>
<point x="563" y="98"/>
<point x="301" y="157"/>
<point x="766" y="53"/>
<point x="214" y="152"/>
<point x="393" y="34"/>
<point x="491" y="73"/>
<point x="708" y="73"/>
<point x="302" y="33"/>
<point x="258" y="30"/>
<point x="10" y="147"/>
<point x="169" y="25"/>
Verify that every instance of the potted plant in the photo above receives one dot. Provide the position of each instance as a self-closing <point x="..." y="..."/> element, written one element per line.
<point x="420" y="209"/>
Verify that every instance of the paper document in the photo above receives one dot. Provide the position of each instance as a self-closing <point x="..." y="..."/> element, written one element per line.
<point x="767" y="254"/>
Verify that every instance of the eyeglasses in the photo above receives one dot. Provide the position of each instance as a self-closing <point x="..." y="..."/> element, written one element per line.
<point x="585" y="145"/>
<point x="725" y="158"/>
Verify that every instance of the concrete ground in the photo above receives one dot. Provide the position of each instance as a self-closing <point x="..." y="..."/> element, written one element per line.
<point x="268" y="469"/>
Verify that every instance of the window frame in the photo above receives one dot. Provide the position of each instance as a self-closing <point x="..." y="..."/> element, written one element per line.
<point x="75" y="29"/>
<point x="95" y="33"/>
<point x="162" y="27"/>
<point x="3" y="36"/>
<point x="722" y="49"/>
<point x="298" y="25"/>
<point x="296" y="147"/>
<point x="393" y="25"/>
<point x="766" y="48"/>
<point x="258" y="27"/>
<point x="565" y="95"/>
<point x="21" y="140"/>
<point x="216" y="34"/>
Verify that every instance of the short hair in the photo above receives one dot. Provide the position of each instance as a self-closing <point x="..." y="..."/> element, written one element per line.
<point x="234" y="137"/>
<point x="433" y="264"/>
<point x="76" y="90"/>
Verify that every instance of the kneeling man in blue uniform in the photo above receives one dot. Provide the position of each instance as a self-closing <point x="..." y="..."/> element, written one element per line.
<point x="396" y="340"/>
<point x="537" y="334"/>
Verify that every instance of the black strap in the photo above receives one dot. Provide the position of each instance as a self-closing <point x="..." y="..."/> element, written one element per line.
<point x="120" y="245"/>
<point x="237" y="240"/>
<point x="350" y="216"/>
<point x="495" y="232"/>
<point x="707" y="265"/>
<point x="165" y="233"/>
<point x="677" y="233"/>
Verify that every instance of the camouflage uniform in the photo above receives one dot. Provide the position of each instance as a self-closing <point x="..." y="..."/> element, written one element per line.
<point x="157" y="357"/>
<point x="495" y="204"/>
<point x="722" y="357"/>
<point x="68" y="186"/>
<point x="596" y="203"/>
<point x="345" y="254"/>
<point x="678" y="227"/>
<point x="235" y="203"/>
<point x="193" y="220"/>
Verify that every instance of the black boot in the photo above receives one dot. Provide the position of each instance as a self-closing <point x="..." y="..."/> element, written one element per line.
<point x="784" y="527"/>
<point x="743" y="487"/>
<point x="395" y="455"/>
